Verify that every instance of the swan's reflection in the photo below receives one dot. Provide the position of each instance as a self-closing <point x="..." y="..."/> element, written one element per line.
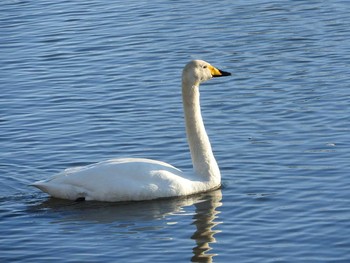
<point x="128" y="215"/>
<point x="204" y="220"/>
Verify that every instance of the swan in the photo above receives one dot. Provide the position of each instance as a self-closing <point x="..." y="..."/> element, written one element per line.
<point x="136" y="179"/>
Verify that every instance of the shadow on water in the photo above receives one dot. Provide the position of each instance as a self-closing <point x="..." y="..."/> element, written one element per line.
<point x="131" y="213"/>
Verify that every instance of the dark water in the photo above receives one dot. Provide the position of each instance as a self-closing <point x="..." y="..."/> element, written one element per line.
<point x="85" y="81"/>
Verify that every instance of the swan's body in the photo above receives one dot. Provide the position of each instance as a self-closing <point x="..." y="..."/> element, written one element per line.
<point x="134" y="179"/>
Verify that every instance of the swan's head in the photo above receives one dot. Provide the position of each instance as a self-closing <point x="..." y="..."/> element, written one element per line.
<point x="198" y="71"/>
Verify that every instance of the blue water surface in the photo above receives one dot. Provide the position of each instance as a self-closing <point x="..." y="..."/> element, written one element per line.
<point x="85" y="81"/>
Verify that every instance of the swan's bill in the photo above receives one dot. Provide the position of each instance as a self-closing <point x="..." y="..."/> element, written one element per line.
<point x="218" y="73"/>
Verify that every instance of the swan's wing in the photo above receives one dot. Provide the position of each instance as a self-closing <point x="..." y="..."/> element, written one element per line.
<point x="117" y="180"/>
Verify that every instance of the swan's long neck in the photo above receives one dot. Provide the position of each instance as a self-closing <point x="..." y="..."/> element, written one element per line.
<point x="203" y="159"/>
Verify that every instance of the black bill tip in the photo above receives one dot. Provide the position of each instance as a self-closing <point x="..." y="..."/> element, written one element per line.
<point x="222" y="74"/>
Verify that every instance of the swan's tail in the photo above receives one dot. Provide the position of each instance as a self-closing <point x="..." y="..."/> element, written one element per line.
<point x="42" y="185"/>
<point x="60" y="190"/>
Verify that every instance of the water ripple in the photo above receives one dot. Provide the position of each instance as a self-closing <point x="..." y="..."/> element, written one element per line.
<point x="84" y="82"/>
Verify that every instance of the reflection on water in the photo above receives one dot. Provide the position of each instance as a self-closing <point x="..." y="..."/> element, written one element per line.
<point x="144" y="216"/>
<point x="205" y="220"/>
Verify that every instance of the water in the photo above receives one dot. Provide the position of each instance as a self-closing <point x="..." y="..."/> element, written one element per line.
<point x="87" y="81"/>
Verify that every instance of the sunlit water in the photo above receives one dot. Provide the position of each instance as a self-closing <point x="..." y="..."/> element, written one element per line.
<point x="84" y="81"/>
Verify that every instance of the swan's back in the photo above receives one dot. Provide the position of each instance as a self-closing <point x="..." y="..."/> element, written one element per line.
<point x="118" y="180"/>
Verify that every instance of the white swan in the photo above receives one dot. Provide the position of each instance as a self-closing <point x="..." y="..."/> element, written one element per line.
<point x="134" y="179"/>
